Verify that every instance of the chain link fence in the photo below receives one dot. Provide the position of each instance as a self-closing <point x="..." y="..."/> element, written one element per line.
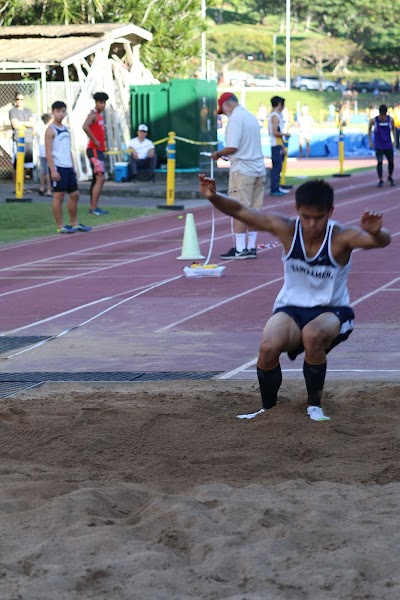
<point x="8" y="90"/>
<point x="116" y="122"/>
<point x="55" y="90"/>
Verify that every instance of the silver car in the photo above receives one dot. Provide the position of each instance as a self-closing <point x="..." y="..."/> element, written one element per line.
<point x="264" y="81"/>
<point x="312" y="83"/>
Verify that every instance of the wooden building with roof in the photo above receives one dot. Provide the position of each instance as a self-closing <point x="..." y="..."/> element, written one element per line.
<point x="70" y="63"/>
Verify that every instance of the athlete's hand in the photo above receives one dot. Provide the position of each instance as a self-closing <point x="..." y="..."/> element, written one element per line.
<point x="207" y="186"/>
<point x="55" y="175"/>
<point x="371" y="221"/>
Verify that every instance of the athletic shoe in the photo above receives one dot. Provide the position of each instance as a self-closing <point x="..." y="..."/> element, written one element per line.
<point x="380" y="183"/>
<point x="66" y="229"/>
<point x="81" y="227"/>
<point x="392" y="183"/>
<point x="252" y="253"/>
<point x="98" y="212"/>
<point x="284" y="191"/>
<point x="251" y="415"/>
<point x="278" y="193"/>
<point x="317" y="414"/>
<point x="233" y="254"/>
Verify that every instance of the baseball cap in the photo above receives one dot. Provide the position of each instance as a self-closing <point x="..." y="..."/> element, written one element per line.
<point x="223" y="98"/>
<point x="143" y="127"/>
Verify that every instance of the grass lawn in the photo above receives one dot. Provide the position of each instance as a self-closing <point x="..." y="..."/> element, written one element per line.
<point x="297" y="174"/>
<point x="26" y="221"/>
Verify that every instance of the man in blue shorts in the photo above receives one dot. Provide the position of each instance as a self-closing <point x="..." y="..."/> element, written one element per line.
<point x="312" y="312"/>
<point x="62" y="173"/>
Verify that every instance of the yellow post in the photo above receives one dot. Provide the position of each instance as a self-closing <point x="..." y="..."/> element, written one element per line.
<point x="285" y="142"/>
<point x="341" y="154"/>
<point x="20" y="165"/>
<point x="171" y="161"/>
<point x="341" y="150"/>
<point x="171" y="156"/>
<point x="20" y="169"/>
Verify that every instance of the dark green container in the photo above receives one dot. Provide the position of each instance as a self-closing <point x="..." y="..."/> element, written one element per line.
<point x="186" y="106"/>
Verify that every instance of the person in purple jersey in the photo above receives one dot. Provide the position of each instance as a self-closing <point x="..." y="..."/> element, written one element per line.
<point x="312" y="312"/>
<point x="384" y="140"/>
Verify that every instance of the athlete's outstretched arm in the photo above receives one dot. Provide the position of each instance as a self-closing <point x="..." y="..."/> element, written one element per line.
<point x="275" y="223"/>
<point x="371" y="233"/>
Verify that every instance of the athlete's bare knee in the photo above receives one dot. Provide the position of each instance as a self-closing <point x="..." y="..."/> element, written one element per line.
<point x="313" y="340"/>
<point x="268" y="354"/>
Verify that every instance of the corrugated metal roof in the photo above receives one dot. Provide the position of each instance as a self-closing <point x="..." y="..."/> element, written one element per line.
<point x="54" y="44"/>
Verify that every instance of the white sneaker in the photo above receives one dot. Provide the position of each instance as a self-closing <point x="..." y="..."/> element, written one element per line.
<point x="251" y="415"/>
<point x="284" y="191"/>
<point x="317" y="414"/>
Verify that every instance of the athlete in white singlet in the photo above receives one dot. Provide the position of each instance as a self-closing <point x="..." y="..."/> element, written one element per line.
<point x="312" y="312"/>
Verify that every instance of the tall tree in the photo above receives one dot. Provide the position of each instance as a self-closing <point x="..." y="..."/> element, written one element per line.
<point x="323" y="52"/>
<point x="176" y="25"/>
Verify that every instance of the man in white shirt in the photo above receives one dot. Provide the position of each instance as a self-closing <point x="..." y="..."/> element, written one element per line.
<point x="247" y="170"/>
<point x="142" y="154"/>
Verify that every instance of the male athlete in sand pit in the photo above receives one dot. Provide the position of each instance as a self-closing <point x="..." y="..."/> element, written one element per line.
<point x="312" y="311"/>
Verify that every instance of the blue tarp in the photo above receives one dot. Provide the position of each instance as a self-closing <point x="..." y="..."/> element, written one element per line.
<point x="322" y="143"/>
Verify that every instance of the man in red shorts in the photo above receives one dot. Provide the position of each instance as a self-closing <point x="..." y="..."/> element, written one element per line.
<point x="95" y="130"/>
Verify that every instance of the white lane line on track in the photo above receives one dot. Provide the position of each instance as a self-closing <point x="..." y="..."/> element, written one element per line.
<point x="212" y="307"/>
<point x="218" y="304"/>
<point x="123" y="293"/>
<point x="337" y="371"/>
<point x="361" y="299"/>
<point x="54" y="337"/>
<point x="84" y="251"/>
<point x="83" y="306"/>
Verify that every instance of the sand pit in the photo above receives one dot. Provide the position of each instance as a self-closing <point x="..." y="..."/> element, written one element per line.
<point x="156" y="491"/>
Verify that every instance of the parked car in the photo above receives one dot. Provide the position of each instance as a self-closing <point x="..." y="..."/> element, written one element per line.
<point x="370" y="86"/>
<point x="238" y="78"/>
<point x="264" y="81"/>
<point x="312" y="83"/>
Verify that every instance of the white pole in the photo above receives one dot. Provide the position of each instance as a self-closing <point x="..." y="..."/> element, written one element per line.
<point x="288" y="44"/>
<point x="203" y="43"/>
<point x="274" y="55"/>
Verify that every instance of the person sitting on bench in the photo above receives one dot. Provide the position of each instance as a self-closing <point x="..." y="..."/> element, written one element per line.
<point x="142" y="154"/>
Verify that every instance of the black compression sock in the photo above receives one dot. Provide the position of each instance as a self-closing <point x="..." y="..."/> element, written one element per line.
<point x="270" y="382"/>
<point x="314" y="376"/>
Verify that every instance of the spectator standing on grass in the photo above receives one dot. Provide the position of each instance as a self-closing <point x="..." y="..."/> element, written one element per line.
<point x="247" y="170"/>
<point x="278" y="151"/>
<point x="20" y="116"/>
<point x="331" y="112"/>
<point x="305" y="124"/>
<point x="62" y="172"/>
<point x="262" y="114"/>
<point x="44" y="168"/>
<point x="384" y="133"/>
<point x="95" y="130"/>
<point x="142" y="154"/>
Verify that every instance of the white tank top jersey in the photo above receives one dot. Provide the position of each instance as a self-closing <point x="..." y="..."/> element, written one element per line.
<point x="274" y="140"/>
<point x="61" y="147"/>
<point x="316" y="281"/>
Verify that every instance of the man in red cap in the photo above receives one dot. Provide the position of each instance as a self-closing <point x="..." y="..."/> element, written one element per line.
<point x="247" y="170"/>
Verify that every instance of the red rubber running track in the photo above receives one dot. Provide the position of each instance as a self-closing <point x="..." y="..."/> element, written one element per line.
<point x="116" y="299"/>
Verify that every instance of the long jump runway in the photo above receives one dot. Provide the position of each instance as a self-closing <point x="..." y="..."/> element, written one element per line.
<point x="116" y="300"/>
